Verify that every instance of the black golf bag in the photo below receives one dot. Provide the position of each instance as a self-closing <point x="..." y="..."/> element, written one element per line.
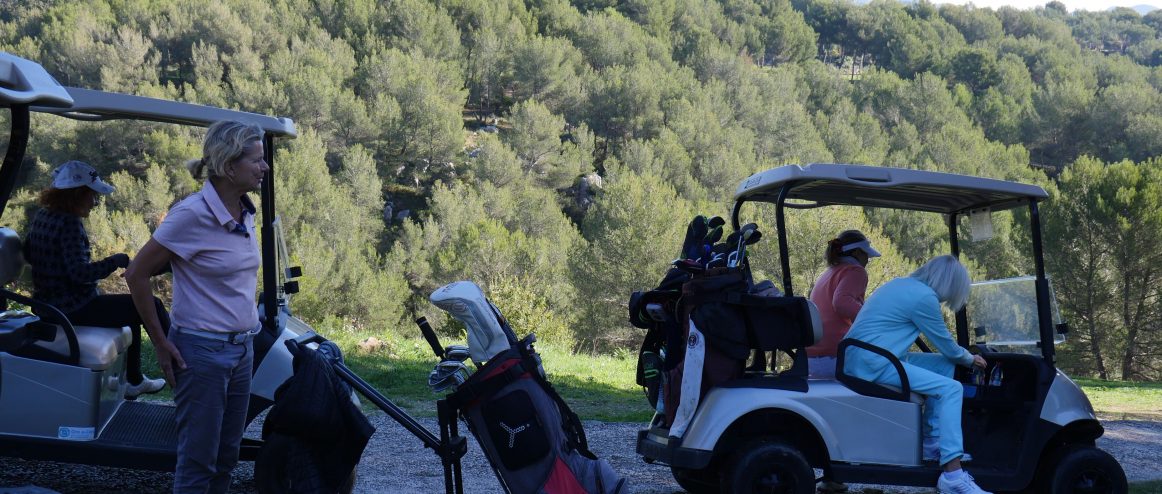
<point x="534" y="442"/>
<point x="706" y="318"/>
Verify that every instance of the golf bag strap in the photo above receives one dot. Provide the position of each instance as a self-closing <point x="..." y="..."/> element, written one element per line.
<point x="654" y="340"/>
<point x="470" y="392"/>
<point x="574" y="432"/>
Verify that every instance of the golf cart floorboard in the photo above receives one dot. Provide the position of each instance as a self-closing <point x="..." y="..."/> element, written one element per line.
<point x="143" y="425"/>
<point x="924" y="475"/>
<point x="141" y="435"/>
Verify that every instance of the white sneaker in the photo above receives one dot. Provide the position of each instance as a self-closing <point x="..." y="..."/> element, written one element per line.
<point x="146" y="386"/>
<point x="965" y="485"/>
<point x="932" y="451"/>
<point x="831" y="486"/>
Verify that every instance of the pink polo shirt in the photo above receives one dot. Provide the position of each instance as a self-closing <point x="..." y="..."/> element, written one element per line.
<point x="216" y="271"/>
<point x="839" y="296"/>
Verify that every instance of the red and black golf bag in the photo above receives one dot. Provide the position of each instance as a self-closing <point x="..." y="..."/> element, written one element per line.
<point x="534" y="442"/>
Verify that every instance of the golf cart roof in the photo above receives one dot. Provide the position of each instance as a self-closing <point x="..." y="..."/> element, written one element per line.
<point x="897" y="188"/>
<point x="89" y="104"/>
<point x="24" y="82"/>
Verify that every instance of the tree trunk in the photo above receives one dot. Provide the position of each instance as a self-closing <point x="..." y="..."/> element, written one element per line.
<point x="1133" y="321"/>
<point x="1094" y="338"/>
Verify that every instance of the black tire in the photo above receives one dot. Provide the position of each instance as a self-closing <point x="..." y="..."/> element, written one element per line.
<point x="281" y="460"/>
<point x="1084" y="469"/>
<point x="771" y="467"/>
<point x="704" y="481"/>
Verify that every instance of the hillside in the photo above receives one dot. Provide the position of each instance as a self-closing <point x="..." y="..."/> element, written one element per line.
<point x="553" y="151"/>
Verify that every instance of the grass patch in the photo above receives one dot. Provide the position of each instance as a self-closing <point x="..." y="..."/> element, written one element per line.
<point x="595" y="387"/>
<point x="1124" y="400"/>
<point x="1151" y="487"/>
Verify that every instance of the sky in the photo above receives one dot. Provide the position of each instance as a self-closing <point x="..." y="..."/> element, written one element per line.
<point x="1094" y="5"/>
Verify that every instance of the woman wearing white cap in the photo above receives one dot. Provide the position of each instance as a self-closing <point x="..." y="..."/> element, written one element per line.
<point x="839" y="295"/>
<point x="64" y="273"/>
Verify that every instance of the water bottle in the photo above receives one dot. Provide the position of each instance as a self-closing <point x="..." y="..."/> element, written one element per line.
<point x="978" y="377"/>
<point x="997" y="376"/>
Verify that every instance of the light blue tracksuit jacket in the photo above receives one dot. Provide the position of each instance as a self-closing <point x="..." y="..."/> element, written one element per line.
<point x="891" y="319"/>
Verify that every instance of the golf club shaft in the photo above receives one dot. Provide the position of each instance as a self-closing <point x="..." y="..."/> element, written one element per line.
<point x="430" y="335"/>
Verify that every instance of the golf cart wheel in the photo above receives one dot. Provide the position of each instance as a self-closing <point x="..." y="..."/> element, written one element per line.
<point x="284" y="459"/>
<point x="770" y="467"/>
<point x="1083" y="469"/>
<point x="702" y="481"/>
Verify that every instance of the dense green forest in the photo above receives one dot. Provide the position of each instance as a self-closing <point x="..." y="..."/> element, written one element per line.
<point x="553" y="150"/>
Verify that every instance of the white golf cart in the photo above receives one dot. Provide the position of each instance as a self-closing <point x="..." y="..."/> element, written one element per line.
<point x="62" y="386"/>
<point x="1028" y="426"/>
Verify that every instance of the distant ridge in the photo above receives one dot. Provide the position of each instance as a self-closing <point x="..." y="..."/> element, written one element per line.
<point x="1141" y="9"/>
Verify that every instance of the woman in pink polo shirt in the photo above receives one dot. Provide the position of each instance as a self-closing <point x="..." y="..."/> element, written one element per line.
<point x="209" y="240"/>
<point x="839" y="294"/>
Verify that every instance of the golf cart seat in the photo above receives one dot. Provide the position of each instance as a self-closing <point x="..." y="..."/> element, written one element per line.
<point x="869" y="388"/>
<point x="786" y="324"/>
<point x="49" y="335"/>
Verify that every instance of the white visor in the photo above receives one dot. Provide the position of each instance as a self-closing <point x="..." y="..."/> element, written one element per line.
<point x="863" y="245"/>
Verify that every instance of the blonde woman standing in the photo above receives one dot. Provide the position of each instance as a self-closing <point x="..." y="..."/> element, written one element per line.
<point x="209" y="240"/>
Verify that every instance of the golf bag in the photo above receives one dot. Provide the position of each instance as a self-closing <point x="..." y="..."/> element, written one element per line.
<point x="706" y="318"/>
<point x="533" y="440"/>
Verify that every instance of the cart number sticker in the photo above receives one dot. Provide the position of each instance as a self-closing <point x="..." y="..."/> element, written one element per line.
<point x="75" y="433"/>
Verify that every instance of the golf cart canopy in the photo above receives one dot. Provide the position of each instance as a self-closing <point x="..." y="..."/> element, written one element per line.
<point x="94" y="105"/>
<point x="24" y="82"/>
<point x="896" y="188"/>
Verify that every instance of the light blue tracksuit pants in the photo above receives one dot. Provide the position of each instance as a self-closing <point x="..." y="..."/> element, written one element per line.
<point x="929" y="374"/>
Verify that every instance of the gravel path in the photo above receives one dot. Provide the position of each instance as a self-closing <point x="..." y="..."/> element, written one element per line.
<point x="396" y="462"/>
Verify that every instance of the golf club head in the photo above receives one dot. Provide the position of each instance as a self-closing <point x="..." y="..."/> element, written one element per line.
<point x="447" y="375"/>
<point x="488" y="334"/>
<point x="458" y="353"/>
<point x="695" y="232"/>
<point x="750" y="233"/>
<point x="714" y="235"/>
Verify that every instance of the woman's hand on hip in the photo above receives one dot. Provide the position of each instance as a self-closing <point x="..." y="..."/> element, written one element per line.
<point x="168" y="356"/>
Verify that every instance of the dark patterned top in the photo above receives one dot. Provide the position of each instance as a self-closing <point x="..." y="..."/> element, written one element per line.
<point x="63" y="272"/>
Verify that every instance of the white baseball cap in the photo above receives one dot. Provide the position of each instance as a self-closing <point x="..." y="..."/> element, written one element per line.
<point x="73" y="174"/>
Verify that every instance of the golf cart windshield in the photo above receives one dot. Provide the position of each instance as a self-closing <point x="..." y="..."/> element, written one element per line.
<point x="1007" y="311"/>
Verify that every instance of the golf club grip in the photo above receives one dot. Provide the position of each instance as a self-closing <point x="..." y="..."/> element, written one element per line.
<point x="430" y="335"/>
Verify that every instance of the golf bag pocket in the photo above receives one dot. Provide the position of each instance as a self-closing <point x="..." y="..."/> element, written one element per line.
<point x="532" y="439"/>
<point x="515" y="430"/>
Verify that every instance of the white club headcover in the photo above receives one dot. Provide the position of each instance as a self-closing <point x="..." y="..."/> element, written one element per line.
<point x="467" y="303"/>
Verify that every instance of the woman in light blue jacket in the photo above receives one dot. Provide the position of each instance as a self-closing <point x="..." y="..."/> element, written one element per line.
<point x="891" y="319"/>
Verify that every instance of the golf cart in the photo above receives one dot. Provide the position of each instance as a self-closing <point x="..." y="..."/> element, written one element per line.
<point x="62" y="386"/>
<point x="1028" y="426"/>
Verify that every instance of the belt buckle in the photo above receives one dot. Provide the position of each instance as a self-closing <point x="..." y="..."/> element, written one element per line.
<point x="240" y="337"/>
